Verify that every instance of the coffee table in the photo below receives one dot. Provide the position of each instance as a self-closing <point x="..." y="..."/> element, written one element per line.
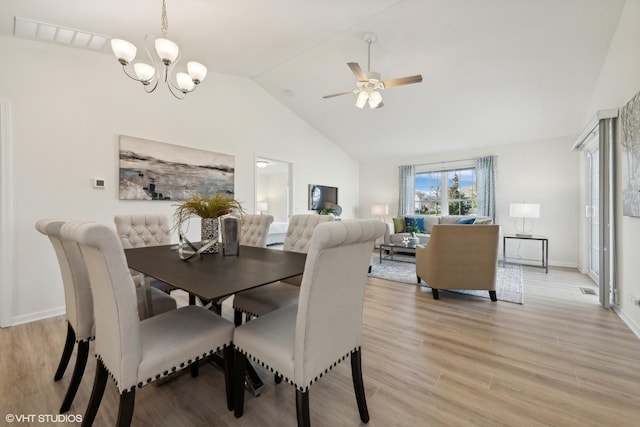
<point x="392" y="248"/>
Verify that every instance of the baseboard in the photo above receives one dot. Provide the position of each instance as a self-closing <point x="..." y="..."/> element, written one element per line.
<point x="33" y="317"/>
<point x="628" y="321"/>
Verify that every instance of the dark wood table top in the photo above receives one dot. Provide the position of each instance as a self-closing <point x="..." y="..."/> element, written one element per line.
<point x="214" y="276"/>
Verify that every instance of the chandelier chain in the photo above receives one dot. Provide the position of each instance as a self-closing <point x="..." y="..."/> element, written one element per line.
<point x="164" y="20"/>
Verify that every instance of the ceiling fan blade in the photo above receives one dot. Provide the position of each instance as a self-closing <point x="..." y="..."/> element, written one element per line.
<point x="403" y="81"/>
<point x="338" y="94"/>
<point x="355" y="68"/>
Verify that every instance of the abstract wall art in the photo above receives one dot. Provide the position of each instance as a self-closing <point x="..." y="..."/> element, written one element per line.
<point x="630" y="159"/>
<point x="151" y="170"/>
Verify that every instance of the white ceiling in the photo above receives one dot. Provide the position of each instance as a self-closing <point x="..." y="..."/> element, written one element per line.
<point x="494" y="71"/>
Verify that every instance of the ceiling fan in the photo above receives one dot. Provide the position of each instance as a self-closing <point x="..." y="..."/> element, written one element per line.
<point x="369" y="84"/>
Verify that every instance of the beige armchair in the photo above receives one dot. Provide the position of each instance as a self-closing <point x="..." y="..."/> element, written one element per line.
<point x="460" y="257"/>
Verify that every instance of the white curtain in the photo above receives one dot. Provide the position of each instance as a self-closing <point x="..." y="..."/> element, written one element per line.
<point x="407" y="193"/>
<point x="486" y="168"/>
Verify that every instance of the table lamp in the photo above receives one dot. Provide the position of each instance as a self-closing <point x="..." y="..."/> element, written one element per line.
<point x="379" y="211"/>
<point x="524" y="211"/>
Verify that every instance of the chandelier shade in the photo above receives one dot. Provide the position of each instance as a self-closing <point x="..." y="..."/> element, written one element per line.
<point x="164" y="57"/>
<point x="123" y="50"/>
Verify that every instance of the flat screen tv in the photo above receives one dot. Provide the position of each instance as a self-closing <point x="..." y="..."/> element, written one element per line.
<point x="322" y="197"/>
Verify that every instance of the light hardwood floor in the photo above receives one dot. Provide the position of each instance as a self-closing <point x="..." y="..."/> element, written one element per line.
<point x="557" y="360"/>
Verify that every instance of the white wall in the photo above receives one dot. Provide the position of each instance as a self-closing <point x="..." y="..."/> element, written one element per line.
<point x="544" y="172"/>
<point x="619" y="81"/>
<point x="68" y="108"/>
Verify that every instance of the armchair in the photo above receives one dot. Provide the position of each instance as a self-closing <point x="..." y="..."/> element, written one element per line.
<point x="459" y="257"/>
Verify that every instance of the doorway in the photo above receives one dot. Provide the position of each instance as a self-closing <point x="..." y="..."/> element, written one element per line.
<point x="592" y="212"/>
<point x="273" y="187"/>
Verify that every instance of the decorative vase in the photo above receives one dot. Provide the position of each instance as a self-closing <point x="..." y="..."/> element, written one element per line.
<point x="413" y="240"/>
<point x="209" y="231"/>
<point x="230" y="233"/>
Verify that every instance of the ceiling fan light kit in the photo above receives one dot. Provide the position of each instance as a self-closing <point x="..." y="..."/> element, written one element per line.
<point x="166" y="55"/>
<point x="369" y="84"/>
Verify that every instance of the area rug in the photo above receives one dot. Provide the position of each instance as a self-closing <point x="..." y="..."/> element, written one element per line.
<point x="509" y="282"/>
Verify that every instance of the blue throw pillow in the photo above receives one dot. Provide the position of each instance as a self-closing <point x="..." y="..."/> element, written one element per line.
<point x="466" y="220"/>
<point x="413" y="223"/>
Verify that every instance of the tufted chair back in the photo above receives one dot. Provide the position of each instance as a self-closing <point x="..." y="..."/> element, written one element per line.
<point x="300" y="231"/>
<point x="254" y="230"/>
<point x="140" y="230"/>
<point x="77" y="293"/>
<point x="116" y="317"/>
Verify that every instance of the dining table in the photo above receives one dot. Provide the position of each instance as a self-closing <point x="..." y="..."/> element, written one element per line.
<point x="214" y="276"/>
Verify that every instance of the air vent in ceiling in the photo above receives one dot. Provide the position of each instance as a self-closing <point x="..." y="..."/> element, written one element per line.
<point x="29" y="29"/>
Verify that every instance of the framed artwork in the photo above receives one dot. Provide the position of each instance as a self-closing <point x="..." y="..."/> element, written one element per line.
<point x="151" y="170"/>
<point x="630" y="159"/>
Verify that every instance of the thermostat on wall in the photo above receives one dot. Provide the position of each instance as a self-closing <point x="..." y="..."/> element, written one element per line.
<point x="98" y="183"/>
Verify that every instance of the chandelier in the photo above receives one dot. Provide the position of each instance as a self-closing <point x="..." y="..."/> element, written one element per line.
<point x="166" y="55"/>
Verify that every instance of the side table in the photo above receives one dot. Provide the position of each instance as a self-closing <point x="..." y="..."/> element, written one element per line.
<point x="542" y="239"/>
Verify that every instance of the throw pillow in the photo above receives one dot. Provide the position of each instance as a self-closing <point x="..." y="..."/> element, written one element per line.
<point x="466" y="220"/>
<point x="484" y="221"/>
<point x="414" y="224"/>
<point x="398" y="225"/>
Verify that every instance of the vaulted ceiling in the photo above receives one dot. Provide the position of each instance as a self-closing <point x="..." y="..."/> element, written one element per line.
<point x="494" y="71"/>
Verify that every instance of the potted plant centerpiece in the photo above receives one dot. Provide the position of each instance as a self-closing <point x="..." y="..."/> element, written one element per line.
<point x="209" y="209"/>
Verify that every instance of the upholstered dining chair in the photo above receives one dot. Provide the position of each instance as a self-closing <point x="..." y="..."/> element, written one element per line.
<point x="262" y="300"/>
<point x="254" y="229"/>
<point x="304" y="341"/>
<point x="79" y="305"/>
<point x="134" y="352"/>
<point x="142" y="230"/>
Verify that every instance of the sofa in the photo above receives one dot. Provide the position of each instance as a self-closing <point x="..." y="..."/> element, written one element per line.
<point x="397" y="228"/>
<point x="460" y="257"/>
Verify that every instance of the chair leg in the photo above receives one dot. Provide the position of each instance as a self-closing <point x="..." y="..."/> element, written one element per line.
<point x="237" y="317"/>
<point x="194" y="367"/>
<point x="99" y="383"/>
<point x="435" y="293"/>
<point x="358" y="385"/>
<point x="238" y="383"/>
<point x="492" y="295"/>
<point x="302" y="408"/>
<point x="125" y="410"/>
<point x="78" y="371"/>
<point x="277" y="378"/>
<point x="419" y="279"/>
<point x="228" y="374"/>
<point x="66" y="353"/>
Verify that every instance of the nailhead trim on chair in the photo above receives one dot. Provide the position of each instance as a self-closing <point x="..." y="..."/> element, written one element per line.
<point x="246" y="312"/>
<point x="165" y="373"/>
<point x="298" y="387"/>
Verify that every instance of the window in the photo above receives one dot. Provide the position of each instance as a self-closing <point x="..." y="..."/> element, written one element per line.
<point x="446" y="192"/>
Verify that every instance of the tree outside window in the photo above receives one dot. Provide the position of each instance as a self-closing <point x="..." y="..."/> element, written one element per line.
<point x="455" y="190"/>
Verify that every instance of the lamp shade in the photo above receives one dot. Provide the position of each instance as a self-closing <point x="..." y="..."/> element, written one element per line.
<point x="375" y="99"/>
<point x="263" y="206"/>
<point x="167" y="50"/>
<point x="379" y="210"/>
<point x="362" y="99"/>
<point x="197" y="71"/>
<point x="184" y="82"/>
<point x="123" y="50"/>
<point x="144" y="71"/>
<point x="524" y="210"/>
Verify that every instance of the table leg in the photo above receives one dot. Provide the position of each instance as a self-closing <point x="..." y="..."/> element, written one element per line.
<point x="504" y="252"/>
<point x="545" y="244"/>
